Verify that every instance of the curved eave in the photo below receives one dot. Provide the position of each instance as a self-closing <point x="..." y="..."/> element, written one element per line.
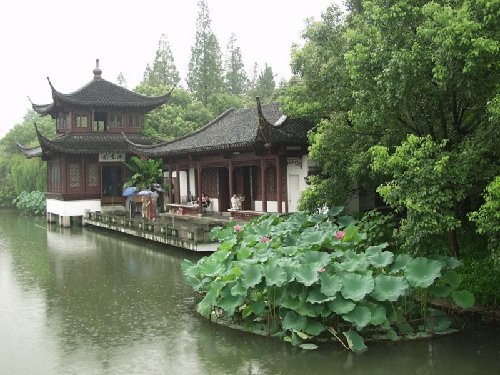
<point x="43" y="109"/>
<point x="30" y="152"/>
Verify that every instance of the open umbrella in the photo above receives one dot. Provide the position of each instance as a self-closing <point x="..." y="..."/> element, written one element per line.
<point x="131" y="190"/>
<point x="144" y="192"/>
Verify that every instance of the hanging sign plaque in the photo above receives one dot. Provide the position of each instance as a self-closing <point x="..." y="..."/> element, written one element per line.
<point x="111" y="156"/>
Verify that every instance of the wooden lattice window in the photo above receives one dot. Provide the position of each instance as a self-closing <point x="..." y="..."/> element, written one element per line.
<point x="93" y="177"/>
<point x="74" y="175"/>
<point x="81" y="120"/>
<point x="271" y="182"/>
<point x="135" y="120"/>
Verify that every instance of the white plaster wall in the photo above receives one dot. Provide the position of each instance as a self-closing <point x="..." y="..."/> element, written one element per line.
<point x="183" y="185"/>
<point x="192" y="185"/>
<point x="272" y="206"/>
<point x="72" y="208"/>
<point x="301" y="172"/>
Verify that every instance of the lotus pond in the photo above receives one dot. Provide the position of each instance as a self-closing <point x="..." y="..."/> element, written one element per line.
<point x="82" y="301"/>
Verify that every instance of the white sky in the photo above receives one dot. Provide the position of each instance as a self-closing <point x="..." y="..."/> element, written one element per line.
<point x="62" y="38"/>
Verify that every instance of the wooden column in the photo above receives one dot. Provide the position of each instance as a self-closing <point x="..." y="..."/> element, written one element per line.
<point x="263" y="184"/>
<point x="230" y="168"/>
<point x="198" y="188"/>
<point x="177" y="184"/>
<point x="278" y="184"/>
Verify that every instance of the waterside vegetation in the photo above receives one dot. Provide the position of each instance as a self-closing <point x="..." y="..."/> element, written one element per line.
<point x="313" y="277"/>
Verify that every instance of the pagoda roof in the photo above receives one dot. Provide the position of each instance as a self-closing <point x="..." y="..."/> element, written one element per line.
<point x="235" y="129"/>
<point x="100" y="93"/>
<point x="83" y="144"/>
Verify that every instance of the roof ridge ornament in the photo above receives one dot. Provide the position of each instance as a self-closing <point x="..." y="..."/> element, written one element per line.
<point x="97" y="71"/>
<point x="264" y="126"/>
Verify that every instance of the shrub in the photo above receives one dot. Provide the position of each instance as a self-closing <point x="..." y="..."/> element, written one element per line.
<point x="32" y="203"/>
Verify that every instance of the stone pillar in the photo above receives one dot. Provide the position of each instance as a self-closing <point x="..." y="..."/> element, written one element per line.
<point x="65" y="221"/>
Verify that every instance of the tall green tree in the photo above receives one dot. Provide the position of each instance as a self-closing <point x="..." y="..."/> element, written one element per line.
<point x="235" y="77"/>
<point x="163" y="71"/>
<point x="393" y="68"/>
<point x="205" y="75"/>
<point x="263" y="84"/>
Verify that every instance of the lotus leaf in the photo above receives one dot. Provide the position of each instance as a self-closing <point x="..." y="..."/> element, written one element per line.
<point x="340" y="305"/>
<point x="243" y="253"/>
<point x="334" y="211"/>
<point x="230" y="303"/>
<point x="239" y="289"/>
<point x="353" y="262"/>
<point x="310" y="237"/>
<point x="330" y="284"/>
<point x="210" y="267"/>
<point x="293" y="321"/>
<point x="381" y="259"/>
<point x="355" y="341"/>
<point x="392" y="335"/>
<point x="378" y="312"/>
<point x="452" y="278"/>
<point x="450" y="262"/>
<point x="389" y="288"/>
<point x="252" y="275"/>
<point x="308" y="309"/>
<point x="291" y="303"/>
<point x="274" y="274"/>
<point x="421" y="272"/>
<point x="463" y="298"/>
<point x="400" y="263"/>
<point x="346" y="220"/>
<point x="313" y="327"/>
<point x="315" y="296"/>
<point x="307" y="274"/>
<point x="257" y="307"/>
<point x="356" y="286"/>
<point x="205" y="305"/>
<point x="308" y="346"/>
<point x="360" y="316"/>
<point x="314" y="258"/>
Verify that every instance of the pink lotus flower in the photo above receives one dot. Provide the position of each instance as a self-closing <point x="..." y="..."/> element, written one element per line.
<point x="238" y="228"/>
<point x="265" y="239"/>
<point x="322" y="270"/>
<point x="340" y="234"/>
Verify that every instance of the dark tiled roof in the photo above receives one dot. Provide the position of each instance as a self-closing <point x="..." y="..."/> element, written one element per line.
<point x="92" y="143"/>
<point x="234" y="129"/>
<point x="102" y="93"/>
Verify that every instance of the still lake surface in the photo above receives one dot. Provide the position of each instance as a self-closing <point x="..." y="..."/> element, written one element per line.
<point x="86" y="301"/>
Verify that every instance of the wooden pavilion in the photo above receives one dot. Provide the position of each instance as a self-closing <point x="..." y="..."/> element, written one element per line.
<point x="257" y="153"/>
<point x="85" y="162"/>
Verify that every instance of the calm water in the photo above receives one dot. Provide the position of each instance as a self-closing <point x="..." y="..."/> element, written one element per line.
<point x="81" y="301"/>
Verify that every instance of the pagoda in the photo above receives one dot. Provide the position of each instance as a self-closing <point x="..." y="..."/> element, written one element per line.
<point x="86" y="161"/>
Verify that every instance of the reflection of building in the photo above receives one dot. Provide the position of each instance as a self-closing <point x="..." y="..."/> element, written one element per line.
<point x="257" y="153"/>
<point x="85" y="162"/>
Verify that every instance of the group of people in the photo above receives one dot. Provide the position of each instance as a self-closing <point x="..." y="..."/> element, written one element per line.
<point x="205" y="199"/>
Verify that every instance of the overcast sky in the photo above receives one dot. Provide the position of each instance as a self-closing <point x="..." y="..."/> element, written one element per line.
<point x="62" y="38"/>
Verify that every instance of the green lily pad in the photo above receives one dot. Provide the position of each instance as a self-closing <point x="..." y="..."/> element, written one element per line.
<point x="421" y="272"/>
<point x="230" y="303"/>
<point x="334" y="211"/>
<point x="308" y="346"/>
<point x="315" y="296"/>
<point x="314" y="258"/>
<point x="293" y="321"/>
<point x="355" y="341"/>
<point x="389" y="288"/>
<point x="400" y="263"/>
<point x="274" y="274"/>
<point x="307" y="274"/>
<point x="356" y="286"/>
<point x="330" y="284"/>
<point x="257" y="307"/>
<point x="340" y="305"/>
<point x="252" y="275"/>
<point x="209" y="267"/>
<point x="353" y="262"/>
<point x="359" y="316"/>
<point x="452" y="278"/>
<point x="380" y="259"/>
<point x="313" y="327"/>
<point x="463" y="298"/>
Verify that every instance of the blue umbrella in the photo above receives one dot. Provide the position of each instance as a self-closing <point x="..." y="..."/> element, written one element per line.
<point x="144" y="192"/>
<point x="131" y="190"/>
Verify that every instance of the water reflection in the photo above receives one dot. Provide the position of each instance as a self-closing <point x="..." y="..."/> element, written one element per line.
<point x="85" y="301"/>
